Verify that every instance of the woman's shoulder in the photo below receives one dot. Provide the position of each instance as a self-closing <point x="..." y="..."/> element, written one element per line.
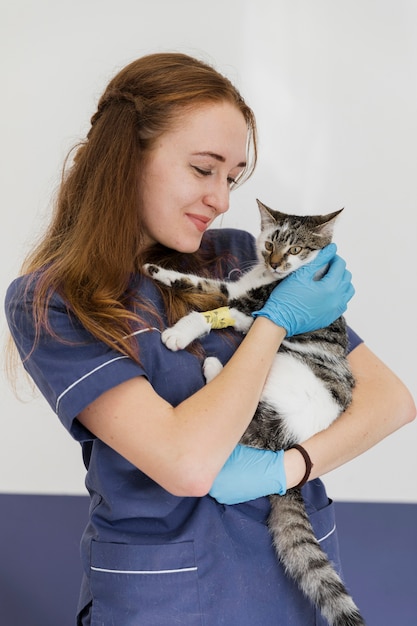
<point x="21" y="291"/>
<point x="18" y="285"/>
<point x="21" y="316"/>
<point x="236" y="247"/>
<point x="225" y="237"/>
<point x="18" y="293"/>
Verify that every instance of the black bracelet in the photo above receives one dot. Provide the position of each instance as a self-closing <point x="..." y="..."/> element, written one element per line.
<point x="308" y="463"/>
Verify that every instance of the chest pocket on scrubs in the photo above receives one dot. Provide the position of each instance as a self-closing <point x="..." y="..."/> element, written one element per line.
<point x="144" y="584"/>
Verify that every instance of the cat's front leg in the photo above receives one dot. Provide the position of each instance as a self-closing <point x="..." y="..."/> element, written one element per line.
<point x="172" y="278"/>
<point x="241" y="321"/>
<point x="196" y="325"/>
<point x="186" y="330"/>
<point x="167" y="277"/>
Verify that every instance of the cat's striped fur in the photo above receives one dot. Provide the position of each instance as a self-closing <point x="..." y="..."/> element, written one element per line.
<point x="309" y="385"/>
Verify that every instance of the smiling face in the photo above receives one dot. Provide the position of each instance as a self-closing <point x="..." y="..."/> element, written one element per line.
<point x="185" y="183"/>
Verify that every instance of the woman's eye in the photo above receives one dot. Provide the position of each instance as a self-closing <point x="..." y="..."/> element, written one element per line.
<point x="295" y="250"/>
<point x="202" y="171"/>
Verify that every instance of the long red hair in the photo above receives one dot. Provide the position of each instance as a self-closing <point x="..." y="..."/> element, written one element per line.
<point x="94" y="242"/>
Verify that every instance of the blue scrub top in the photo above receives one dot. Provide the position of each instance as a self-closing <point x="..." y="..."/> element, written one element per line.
<point x="149" y="557"/>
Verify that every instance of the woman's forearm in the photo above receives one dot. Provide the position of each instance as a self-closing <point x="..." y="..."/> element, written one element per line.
<point x="381" y="404"/>
<point x="235" y="392"/>
<point x="196" y="437"/>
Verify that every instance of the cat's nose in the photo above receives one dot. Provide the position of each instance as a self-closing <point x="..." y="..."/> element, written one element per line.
<point x="275" y="261"/>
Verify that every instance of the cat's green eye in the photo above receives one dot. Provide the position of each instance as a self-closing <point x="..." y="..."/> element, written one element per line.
<point x="269" y="246"/>
<point x="295" y="250"/>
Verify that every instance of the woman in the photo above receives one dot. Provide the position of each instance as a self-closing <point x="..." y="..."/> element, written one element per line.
<point x="169" y="140"/>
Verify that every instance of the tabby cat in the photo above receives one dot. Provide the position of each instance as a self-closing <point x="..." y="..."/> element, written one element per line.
<point x="309" y="385"/>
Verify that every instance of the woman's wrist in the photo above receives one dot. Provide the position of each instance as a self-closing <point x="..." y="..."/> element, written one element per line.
<point x="296" y="467"/>
<point x="274" y="331"/>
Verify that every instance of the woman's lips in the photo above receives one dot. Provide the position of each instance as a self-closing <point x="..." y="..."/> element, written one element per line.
<point x="199" y="221"/>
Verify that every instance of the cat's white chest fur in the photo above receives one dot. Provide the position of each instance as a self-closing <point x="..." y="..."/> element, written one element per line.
<point x="301" y="398"/>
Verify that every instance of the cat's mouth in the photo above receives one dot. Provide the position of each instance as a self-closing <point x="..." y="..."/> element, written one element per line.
<point x="278" y="272"/>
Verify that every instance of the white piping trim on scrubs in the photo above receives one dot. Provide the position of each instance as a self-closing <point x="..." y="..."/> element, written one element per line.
<point x="143" y="572"/>
<point x="328" y="534"/>
<point x="96" y="369"/>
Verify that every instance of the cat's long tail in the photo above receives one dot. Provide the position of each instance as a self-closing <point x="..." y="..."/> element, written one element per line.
<point x="305" y="561"/>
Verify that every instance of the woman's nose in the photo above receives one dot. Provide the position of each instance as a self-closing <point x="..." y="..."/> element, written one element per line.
<point x="217" y="197"/>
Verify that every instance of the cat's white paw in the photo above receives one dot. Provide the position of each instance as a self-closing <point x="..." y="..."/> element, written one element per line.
<point x="185" y="331"/>
<point x="242" y="321"/>
<point x="162" y="275"/>
<point x="211" y="367"/>
<point x="150" y="269"/>
<point x="173" y="339"/>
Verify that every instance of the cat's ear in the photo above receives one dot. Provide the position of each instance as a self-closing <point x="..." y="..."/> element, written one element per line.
<point x="325" y="223"/>
<point x="267" y="215"/>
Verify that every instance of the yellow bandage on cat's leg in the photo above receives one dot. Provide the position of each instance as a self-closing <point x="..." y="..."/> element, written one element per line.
<point x="195" y="325"/>
<point x="219" y="318"/>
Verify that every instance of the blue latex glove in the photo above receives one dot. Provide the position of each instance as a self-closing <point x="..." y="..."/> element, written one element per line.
<point x="249" y="473"/>
<point x="302" y="302"/>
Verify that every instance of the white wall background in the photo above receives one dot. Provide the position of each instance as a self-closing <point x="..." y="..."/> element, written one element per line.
<point x="334" y="86"/>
